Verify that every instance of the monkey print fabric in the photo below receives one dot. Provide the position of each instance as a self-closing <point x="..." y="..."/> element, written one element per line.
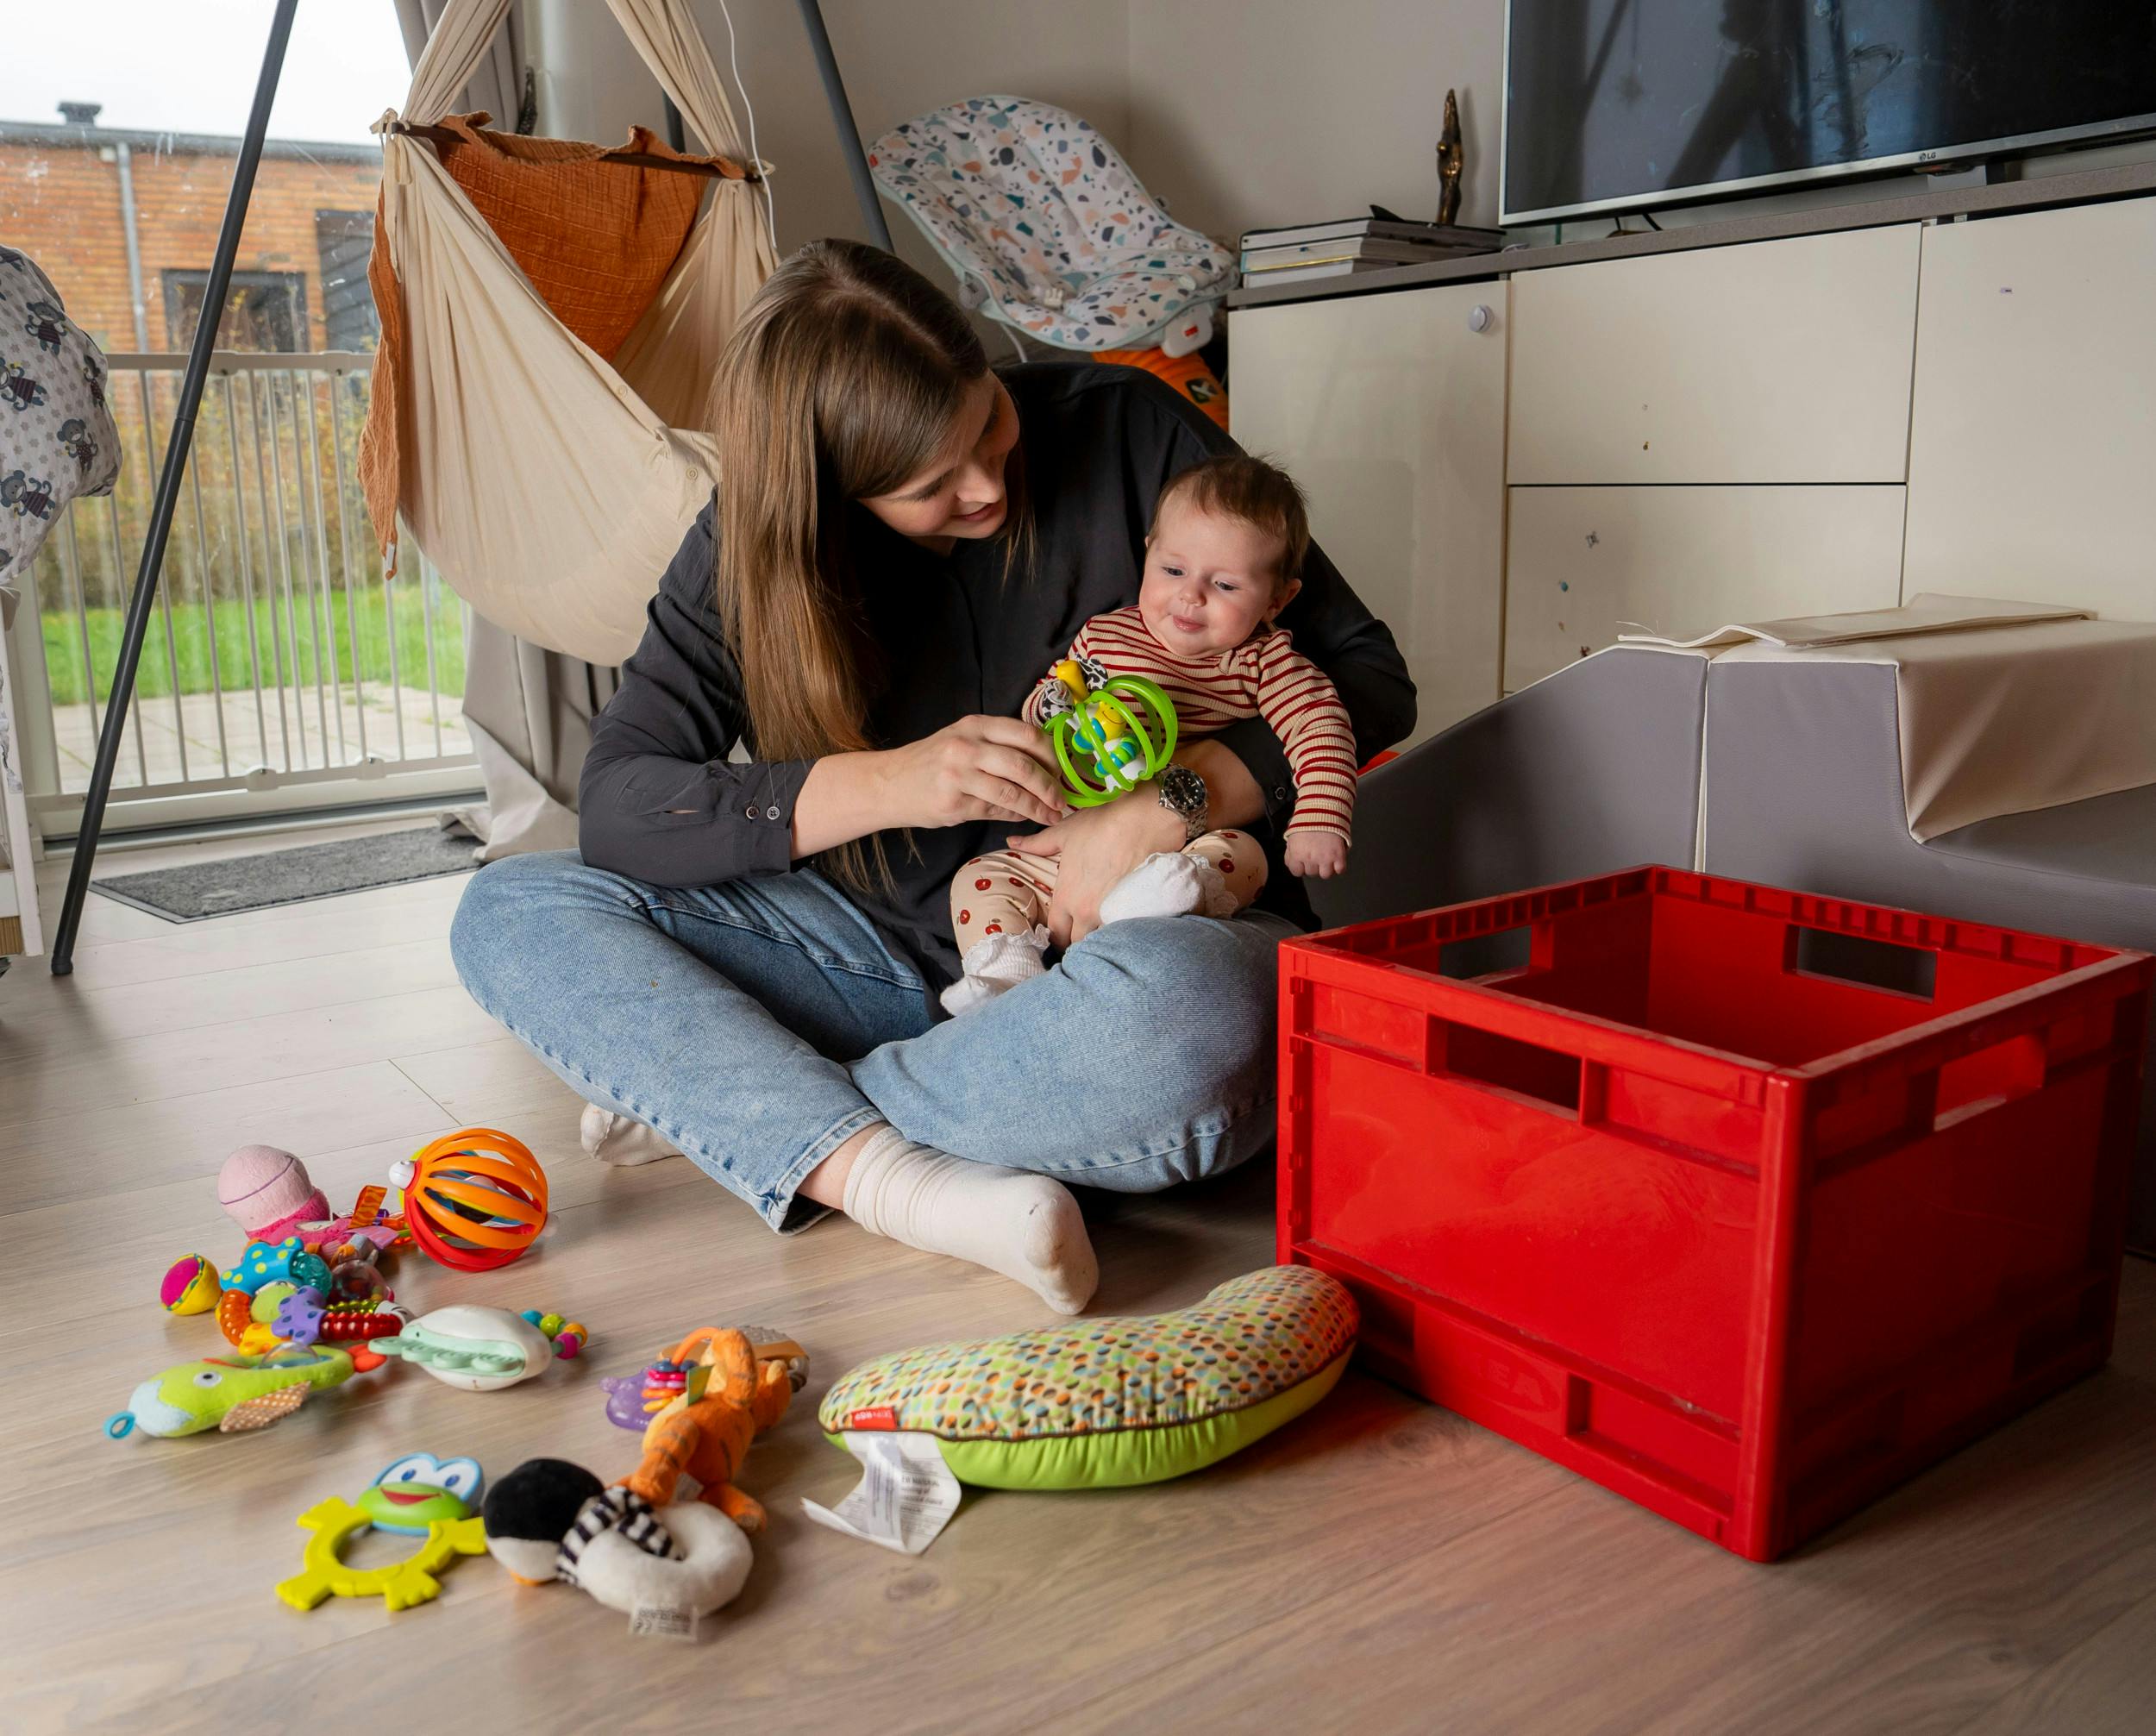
<point x="56" y="436"/>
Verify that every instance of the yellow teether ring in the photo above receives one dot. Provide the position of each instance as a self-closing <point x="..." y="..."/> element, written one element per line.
<point x="402" y="1585"/>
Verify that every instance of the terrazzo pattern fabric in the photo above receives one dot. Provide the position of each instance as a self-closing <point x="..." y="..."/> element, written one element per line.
<point x="56" y="437"/>
<point x="1250" y="1340"/>
<point x="1045" y="225"/>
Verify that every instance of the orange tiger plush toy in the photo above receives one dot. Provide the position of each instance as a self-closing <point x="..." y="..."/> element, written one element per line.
<point x="706" y="1433"/>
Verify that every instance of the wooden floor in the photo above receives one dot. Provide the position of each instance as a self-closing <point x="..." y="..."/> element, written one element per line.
<point x="1380" y="1565"/>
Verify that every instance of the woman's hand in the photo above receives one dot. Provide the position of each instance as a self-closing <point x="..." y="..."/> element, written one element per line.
<point x="1315" y="855"/>
<point x="1095" y="847"/>
<point x="978" y="768"/>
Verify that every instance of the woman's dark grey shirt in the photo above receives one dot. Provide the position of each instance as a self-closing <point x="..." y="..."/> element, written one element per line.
<point x="661" y="802"/>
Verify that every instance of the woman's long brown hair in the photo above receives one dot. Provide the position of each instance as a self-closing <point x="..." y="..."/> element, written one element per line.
<point x="843" y="380"/>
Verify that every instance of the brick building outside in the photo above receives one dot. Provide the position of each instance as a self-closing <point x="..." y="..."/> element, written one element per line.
<point x="273" y="577"/>
<point x="73" y="196"/>
<point x="125" y="224"/>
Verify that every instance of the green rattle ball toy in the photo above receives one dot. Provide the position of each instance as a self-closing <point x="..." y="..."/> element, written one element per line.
<point x="1116" y="752"/>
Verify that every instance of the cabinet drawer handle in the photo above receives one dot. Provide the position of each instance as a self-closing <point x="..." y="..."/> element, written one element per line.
<point x="1480" y="318"/>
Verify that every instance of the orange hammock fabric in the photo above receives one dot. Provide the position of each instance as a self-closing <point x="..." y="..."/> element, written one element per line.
<point x="378" y="461"/>
<point x="598" y="238"/>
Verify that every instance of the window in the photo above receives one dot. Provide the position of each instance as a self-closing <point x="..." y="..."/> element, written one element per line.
<point x="344" y="240"/>
<point x="263" y="310"/>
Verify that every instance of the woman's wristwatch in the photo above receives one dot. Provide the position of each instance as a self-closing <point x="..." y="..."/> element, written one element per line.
<point x="1183" y="793"/>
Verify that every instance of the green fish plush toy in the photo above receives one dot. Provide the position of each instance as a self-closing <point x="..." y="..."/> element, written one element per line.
<point x="231" y="1394"/>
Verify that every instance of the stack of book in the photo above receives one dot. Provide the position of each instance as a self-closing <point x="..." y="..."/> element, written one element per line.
<point x="1354" y="244"/>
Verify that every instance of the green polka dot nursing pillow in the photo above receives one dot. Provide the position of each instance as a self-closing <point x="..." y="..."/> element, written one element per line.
<point x="1103" y="1403"/>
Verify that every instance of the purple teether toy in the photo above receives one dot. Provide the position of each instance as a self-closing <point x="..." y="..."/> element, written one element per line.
<point x="299" y="1317"/>
<point x="625" y="1400"/>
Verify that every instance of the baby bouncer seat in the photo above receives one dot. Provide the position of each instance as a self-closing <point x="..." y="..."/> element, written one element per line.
<point x="1048" y="232"/>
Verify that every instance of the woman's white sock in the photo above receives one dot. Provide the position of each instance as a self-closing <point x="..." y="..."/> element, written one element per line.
<point x="615" y="1138"/>
<point x="1026" y="1226"/>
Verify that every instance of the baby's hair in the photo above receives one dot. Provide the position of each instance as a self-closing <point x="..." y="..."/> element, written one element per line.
<point x="1262" y="495"/>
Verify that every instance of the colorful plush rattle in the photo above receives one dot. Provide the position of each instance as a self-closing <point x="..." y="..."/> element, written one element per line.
<point x="1112" y="739"/>
<point x="474" y="1200"/>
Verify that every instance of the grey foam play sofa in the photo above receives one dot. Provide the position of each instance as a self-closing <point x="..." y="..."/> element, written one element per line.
<point x="1595" y="769"/>
<point x="1803" y="780"/>
<point x="1786" y="773"/>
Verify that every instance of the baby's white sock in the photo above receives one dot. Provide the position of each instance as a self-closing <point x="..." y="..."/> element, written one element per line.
<point x="1026" y="1226"/>
<point x="993" y="964"/>
<point x="1166" y="885"/>
<point x="620" y="1140"/>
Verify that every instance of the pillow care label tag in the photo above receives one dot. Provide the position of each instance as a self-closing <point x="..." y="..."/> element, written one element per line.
<point x="906" y="1496"/>
<point x="661" y="1621"/>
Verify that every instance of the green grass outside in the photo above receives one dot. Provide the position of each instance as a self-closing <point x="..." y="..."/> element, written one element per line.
<point x="238" y="661"/>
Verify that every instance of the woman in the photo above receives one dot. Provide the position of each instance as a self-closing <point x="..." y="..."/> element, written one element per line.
<point x="743" y="965"/>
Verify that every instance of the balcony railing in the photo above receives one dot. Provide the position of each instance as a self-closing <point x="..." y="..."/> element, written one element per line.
<point x="280" y="665"/>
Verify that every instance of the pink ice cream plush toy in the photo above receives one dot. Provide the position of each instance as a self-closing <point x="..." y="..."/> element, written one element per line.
<point x="266" y="1193"/>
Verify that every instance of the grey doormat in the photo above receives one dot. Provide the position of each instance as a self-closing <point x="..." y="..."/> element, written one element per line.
<point x="291" y="876"/>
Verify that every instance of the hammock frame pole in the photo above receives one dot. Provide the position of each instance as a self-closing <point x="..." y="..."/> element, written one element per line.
<point x="843" y="121"/>
<point x="167" y="499"/>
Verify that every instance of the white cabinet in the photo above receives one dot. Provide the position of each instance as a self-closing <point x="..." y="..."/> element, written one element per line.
<point x="1705" y="437"/>
<point x="2033" y="448"/>
<point x="1584" y="564"/>
<point x="1780" y="361"/>
<point x="1390" y="412"/>
<point x="1682" y="439"/>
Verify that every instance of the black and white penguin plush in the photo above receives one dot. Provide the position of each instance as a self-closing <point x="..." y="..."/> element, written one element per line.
<point x="551" y="1520"/>
<point x="530" y="1511"/>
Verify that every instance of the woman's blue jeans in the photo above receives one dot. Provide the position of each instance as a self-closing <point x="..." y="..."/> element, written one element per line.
<point x="760" y="1024"/>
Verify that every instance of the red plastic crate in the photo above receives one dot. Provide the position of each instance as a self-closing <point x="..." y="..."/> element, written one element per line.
<point x="1682" y="1198"/>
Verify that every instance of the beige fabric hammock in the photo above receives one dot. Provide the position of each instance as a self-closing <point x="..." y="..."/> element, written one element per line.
<point x="549" y="487"/>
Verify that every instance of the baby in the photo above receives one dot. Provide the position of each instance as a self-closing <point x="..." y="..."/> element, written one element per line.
<point x="1222" y="558"/>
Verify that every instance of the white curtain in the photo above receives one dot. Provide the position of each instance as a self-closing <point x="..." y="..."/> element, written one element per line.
<point x="499" y="85"/>
<point x="565" y="540"/>
<point x="528" y="711"/>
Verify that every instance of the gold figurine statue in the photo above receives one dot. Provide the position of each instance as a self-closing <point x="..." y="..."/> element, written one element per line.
<point x="1451" y="160"/>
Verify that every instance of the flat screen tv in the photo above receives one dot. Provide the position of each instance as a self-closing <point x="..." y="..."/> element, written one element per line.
<point x="1618" y="105"/>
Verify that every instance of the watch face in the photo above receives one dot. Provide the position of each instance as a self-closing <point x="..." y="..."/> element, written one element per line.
<point x="1183" y="793"/>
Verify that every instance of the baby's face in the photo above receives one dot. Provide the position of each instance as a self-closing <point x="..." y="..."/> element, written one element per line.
<point x="1209" y="579"/>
